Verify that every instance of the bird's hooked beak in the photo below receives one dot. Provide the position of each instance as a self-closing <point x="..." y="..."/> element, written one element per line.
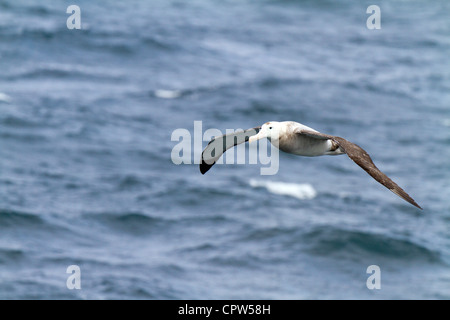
<point x="259" y="136"/>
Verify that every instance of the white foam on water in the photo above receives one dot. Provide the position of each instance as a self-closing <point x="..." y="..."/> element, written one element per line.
<point x="167" y="94"/>
<point x="5" y="98"/>
<point x="296" y="190"/>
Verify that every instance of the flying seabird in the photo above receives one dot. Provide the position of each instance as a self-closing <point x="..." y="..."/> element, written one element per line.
<point x="296" y="138"/>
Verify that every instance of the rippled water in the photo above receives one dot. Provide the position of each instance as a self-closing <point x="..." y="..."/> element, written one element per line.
<point x="86" y="177"/>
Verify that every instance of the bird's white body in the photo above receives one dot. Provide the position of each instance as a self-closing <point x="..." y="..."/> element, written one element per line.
<point x="305" y="146"/>
<point x="284" y="135"/>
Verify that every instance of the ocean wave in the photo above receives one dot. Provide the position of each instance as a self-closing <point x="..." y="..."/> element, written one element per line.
<point x="24" y="137"/>
<point x="31" y="224"/>
<point x="259" y="108"/>
<point x="11" y="218"/>
<point x="296" y="190"/>
<point x="58" y="70"/>
<point x="34" y="9"/>
<point x="267" y="234"/>
<point x="204" y="220"/>
<point x="120" y="47"/>
<point x="13" y="33"/>
<point x="10" y="255"/>
<point x="131" y="181"/>
<point x="131" y="222"/>
<point x="327" y="240"/>
<point x="18" y="122"/>
<point x="340" y="243"/>
<point x="163" y="44"/>
<point x="203" y="247"/>
<point x="263" y="82"/>
<point x="246" y="260"/>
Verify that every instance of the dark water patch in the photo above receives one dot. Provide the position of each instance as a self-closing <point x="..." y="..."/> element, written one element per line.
<point x="11" y="218"/>
<point x="20" y="223"/>
<point x="228" y="88"/>
<point x="31" y="9"/>
<point x="406" y="141"/>
<point x="407" y="61"/>
<point x="124" y="42"/>
<point x="24" y="289"/>
<point x="5" y="5"/>
<point x="274" y="82"/>
<point x="259" y="108"/>
<point x="201" y="248"/>
<point x="130" y="182"/>
<point x="207" y="219"/>
<point x="66" y="72"/>
<point x="112" y="289"/>
<point x="40" y="11"/>
<point x="8" y="255"/>
<point x="428" y="43"/>
<point x="154" y="43"/>
<point x="133" y="223"/>
<point x="18" y="122"/>
<point x="218" y="89"/>
<point x="359" y="40"/>
<point x="245" y="260"/>
<point x="121" y="48"/>
<point x="445" y="141"/>
<point x="113" y="286"/>
<point x="98" y="152"/>
<point x="31" y="35"/>
<point x="374" y="88"/>
<point x="334" y="241"/>
<point x="23" y="137"/>
<point x="73" y="185"/>
<point x="269" y="234"/>
<point x="51" y="175"/>
<point x="321" y="4"/>
<point x="193" y="195"/>
<point x="171" y="270"/>
<point x="208" y="197"/>
<point x="7" y="182"/>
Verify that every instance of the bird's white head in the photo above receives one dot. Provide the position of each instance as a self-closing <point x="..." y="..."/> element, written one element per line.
<point x="270" y="130"/>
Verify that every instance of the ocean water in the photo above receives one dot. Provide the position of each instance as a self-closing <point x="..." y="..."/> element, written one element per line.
<point x="86" y="176"/>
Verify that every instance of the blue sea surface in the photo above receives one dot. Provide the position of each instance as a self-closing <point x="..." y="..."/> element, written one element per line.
<point x="87" y="178"/>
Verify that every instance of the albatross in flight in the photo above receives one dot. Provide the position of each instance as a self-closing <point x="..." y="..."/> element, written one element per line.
<point x="296" y="138"/>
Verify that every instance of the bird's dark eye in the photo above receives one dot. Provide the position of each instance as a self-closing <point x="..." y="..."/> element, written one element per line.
<point x="270" y="127"/>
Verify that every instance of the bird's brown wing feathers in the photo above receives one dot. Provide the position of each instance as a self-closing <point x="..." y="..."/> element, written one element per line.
<point x="362" y="159"/>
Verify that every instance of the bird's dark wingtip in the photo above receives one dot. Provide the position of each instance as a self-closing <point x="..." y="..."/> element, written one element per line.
<point x="402" y="194"/>
<point x="414" y="203"/>
<point x="204" y="167"/>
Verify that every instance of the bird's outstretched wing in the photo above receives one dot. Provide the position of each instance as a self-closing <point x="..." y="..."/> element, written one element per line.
<point x="218" y="145"/>
<point x="362" y="159"/>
